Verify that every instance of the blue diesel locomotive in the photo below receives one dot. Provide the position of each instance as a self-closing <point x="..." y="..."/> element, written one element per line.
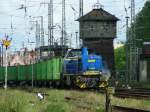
<point x="85" y="70"/>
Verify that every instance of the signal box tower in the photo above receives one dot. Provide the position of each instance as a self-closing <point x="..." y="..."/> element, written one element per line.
<point x="97" y="31"/>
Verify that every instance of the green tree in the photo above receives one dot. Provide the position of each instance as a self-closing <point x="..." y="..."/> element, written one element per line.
<point x="120" y="58"/>
<point x="142" y="25"/>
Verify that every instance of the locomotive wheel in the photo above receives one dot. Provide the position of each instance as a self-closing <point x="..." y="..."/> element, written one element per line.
<point x="80" y="82"/>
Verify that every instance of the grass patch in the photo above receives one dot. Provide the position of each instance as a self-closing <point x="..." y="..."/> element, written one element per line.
<point x="16" y="100"/>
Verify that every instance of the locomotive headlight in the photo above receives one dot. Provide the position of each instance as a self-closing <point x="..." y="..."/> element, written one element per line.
<point x="100" y="72"/>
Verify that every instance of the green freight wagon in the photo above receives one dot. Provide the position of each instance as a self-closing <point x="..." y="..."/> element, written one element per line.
<point x="21" y="71"/>
<point x="45" y="71"/>
<point x="12" y="73"/>
<point x="57" y="68"/>
<point x="1" y="73"/>
<point x="38" y="71"/>
<point x="49" y="70"/>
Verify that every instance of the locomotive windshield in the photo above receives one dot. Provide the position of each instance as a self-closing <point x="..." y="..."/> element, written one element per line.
<point x="74" y="53"/>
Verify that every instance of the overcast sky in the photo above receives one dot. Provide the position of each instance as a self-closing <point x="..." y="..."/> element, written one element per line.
<point x="10" y="16"/>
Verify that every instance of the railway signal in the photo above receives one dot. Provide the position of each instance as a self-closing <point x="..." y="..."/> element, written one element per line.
<point x="6" y="42"/>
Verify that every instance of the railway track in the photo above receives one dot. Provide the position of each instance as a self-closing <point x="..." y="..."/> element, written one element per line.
<point x="125" y="93"/>
<point x="133" y="93"/>
<point x="126" y="109"/>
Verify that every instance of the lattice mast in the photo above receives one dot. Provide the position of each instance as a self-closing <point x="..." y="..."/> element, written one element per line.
<point x="63" y="40"/>
<point x="50" y="23"/>
<point x="133" y="48"/>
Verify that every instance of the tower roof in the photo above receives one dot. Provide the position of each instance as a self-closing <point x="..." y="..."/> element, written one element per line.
<point x="98" y="15"/>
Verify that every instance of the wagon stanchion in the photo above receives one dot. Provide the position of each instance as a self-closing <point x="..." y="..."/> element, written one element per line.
<point x="32" y="53"/>
<point x="32" y="76"/>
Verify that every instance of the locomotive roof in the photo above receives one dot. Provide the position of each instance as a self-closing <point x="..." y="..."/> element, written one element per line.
<point x="98" y="15"/>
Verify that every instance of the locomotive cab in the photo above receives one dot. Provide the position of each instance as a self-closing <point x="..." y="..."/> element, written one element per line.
<point x="72" y="62"/>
